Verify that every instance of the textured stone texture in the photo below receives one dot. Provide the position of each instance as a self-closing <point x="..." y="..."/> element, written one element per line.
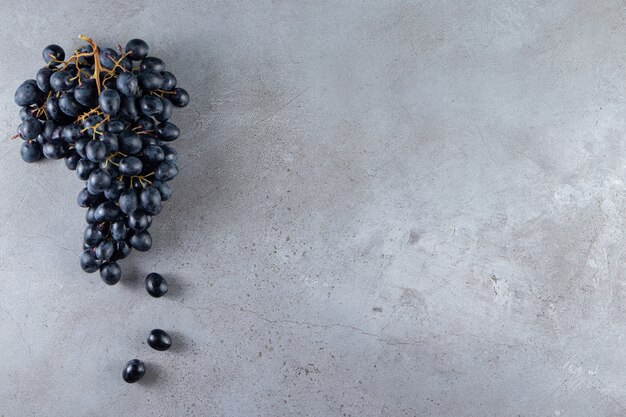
<point x="385" y="208"/>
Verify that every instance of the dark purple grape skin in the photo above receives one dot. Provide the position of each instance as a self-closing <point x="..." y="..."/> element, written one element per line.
<point x="86" y="199"/>
<point x="156" y="285"/>
<point x="153" y="153"/>
<point x="180" y="98"/>
<point x="159" y="340"/>
<point x="70" y="133"/>
<point x="168" y="131"/>
<point x="122" y="250"/>
<point x="128" y="201"/>
<point x="62" y="81"/>
<point x="87" y="94"/>
<point x="115" y="190"/>
<point x="84" y="168"/>
<point x="88" y="261"/>
<point x="105" y="250"/>
<point x="96" y="151"/>
<point x="43" y="79"/>
<point x="30" y="128"/>
<point x="150" y="79"/>
<point x="169" y="81"/>
<point x="142" y="241"/>
<point x="109" y="101"/>
<point x="98" y="181"/>
<point x="26" y="113"/>
<point x="116" y="126"/>
<point x="138" y="221"/>
<point x="52" y="108"/>
<point x="150" y="200"/>
<point x="164" y="189"/>
<point x="71" y="161"/>
<point x="69" y="105"/>
<point x="110" y="273"/>
<point x="80" y="146"/>
<point x="49" y="129"/>
<point x="166" y="171"/>
<point x="145" y="123"/>
<point x="110" y="141"/>
<point x="127" y="84"/>
<point x="90" y="215"/>
<point x="93" y="235"/>
<point x="166" y="113"/>
<point x="27" y="94"/>
<point x="130" y="166"/>
<point x="108" y="57"/>
<point x="52" y="54"/>
<point x="153" y="63"/>
<point x="170" y="153"/>
<point x="31" y="151"/>
<point x="130" y="144"/>
<point x="54" y="149"/>
<point x="137" y="49"/>
<point x="119" y="230"/>
<point x="133" y="371"/>
<point x="107" y="212"/>
<point x="149" y="105"/>
<point x="128" y="108"/>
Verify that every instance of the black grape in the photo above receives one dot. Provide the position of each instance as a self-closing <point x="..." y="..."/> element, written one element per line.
<point x="105" y="250"/>
<point x="52" y="54"/>
<point x="27" y="94"/>
<point x="138" y="221"/>
<point x="150" y="105"/>
<point x="62" y="81"/>
<point x="110" y="273"/>
<point x="43" y="79"/>
<point x="169" y="81"/>
<point x="109" y="121"/>
<point x="54" y="149"/>
<point x="137" y="49"/>
<point x="96" y="151"/>
<point x="142" y="241"/>
<point x="153" y="63"/>
<point x="128" y="201"/>
<point x="107" y="212"/>
<point x="133" y="371"/>
<point x="150" y="200"/>
<point x="31" y="151"/>
<point x="156" y="285"/>
<point x="180" y="98"/>
<point x="71" y="161"/>
<point x="30" y="128"/>
<point x="109" y="101"/>
<point x="130" y="144"/>
<point x="150" y="79"/>
<point x="130" y="166"/>
<point x="159" y="340"/>
<point x="166" y="171"/>
<point x="89" y="262"/>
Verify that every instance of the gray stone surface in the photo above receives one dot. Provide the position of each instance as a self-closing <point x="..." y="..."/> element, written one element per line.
<point x="385" y="208"/>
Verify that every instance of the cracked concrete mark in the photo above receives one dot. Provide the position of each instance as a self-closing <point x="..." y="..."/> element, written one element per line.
<point x="254" y="124"/>
<point x="55" y="241"/>
<point x="277" y="321"/>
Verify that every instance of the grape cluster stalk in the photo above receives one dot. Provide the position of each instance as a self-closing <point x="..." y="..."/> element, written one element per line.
<point x="106" y="112"/>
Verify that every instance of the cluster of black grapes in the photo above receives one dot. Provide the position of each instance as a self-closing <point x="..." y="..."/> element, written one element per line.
<point x="106" y="112"/>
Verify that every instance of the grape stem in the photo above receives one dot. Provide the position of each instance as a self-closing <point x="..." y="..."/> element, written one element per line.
<point x="96" y="60"/>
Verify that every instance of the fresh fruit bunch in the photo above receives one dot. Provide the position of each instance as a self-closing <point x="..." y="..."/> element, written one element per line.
<point x="106" y="113"/>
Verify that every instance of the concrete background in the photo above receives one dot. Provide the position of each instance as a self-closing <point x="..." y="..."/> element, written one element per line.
<point x="385" y="208"/>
